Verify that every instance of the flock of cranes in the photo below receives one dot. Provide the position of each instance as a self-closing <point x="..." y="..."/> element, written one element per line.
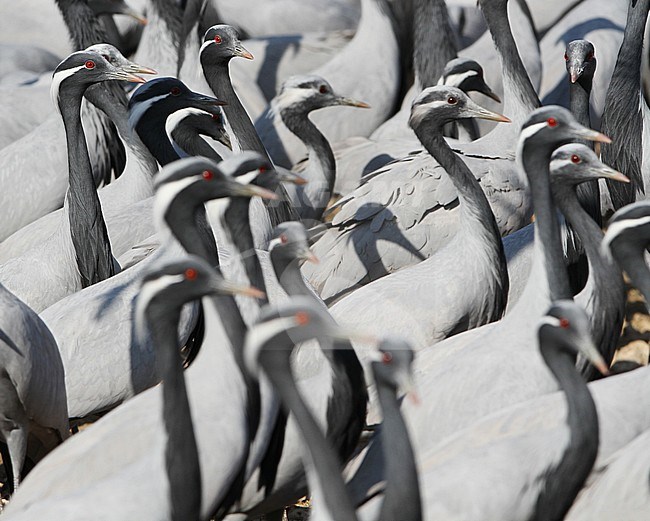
<point x="216" y="298"/>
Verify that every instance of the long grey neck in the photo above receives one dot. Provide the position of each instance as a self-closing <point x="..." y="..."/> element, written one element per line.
<point x="476" y="213"/>
<point x="287" y="271"/>
<point x="86" y="30"/>
<point x="190" y="227"/>
<point x="473" y="203"/>
<point x="402" y="493"/>
<point x="181" y="453"/>
<point x="198" y="239"/>
<point x="589" y="192"/>
<point x="535" y="161"/>
<point x="348" y="399"/>
<point x="579" y="93"/>
<point x="324" y="470"/>
<point x="323" y="171"/>
<point x="187" y="142"/>
<point x="87" y="226"/>
<point x="151" y="130"/>
<point x="564" y="481"/>
<point x="110" y="98"/>
<point x="633" y="262"/>
<point x="519" y="95"/>
<point x="434" y="41"/>
<point x="84" y="27"/>
<point x="218" y="77"/>
<point x="607" y="300"/>
<point x="239" y="228"/>
<point x="624" y="107"/>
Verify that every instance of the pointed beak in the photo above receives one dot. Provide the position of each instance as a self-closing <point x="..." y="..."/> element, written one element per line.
<point x="340" y="100"/>
<point x="285" y="176"/>
<point x="126" y="76"/>
<point x="575" y="70"/>
<point x="485" y="89"/>
<point x="252" y="191"/>
<point x="309" y="256"/>
<point x="590" y="135"/>
<point x="407" y="385"/>
<point x="588" y="350"/>
<point x="224" y="139"/>
<point x="207" y="103"/>
<point x="222" y="286"/>
<point x="609" y="173"/>
<point x="473" y="110"/>
<point x="481" y="113"/>
<point x="241" y="51"/>
<point x="139" y="69"/>
<point x="136" y="16"/>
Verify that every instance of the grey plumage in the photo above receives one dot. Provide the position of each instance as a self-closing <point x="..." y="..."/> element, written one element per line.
<point x="626" y="113"/>
<point x="462" y="286"/>
<point x="626" y="239"/>
<point x="300" y="95"/>
<point x="33" y="397"/>
<point x="409" y="202"/>
<point x="374" y="80"/>
<point x="79" y="253"/>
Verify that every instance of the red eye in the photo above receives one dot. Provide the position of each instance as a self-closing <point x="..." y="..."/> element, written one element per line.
<point x="175" y="91"/>
<point x="217" y="39"/>
<point x="302" y="318"/>
<point x="564" y="323"/>
<point x="575" y="159"/>
<point x="386" y="358"/>
<point x="551" y="122"/>
<point x="216" y="117"/>
<point x="590" y="56"/>
<point x="284" y="239"/>
<point x="191" y="274"/>
<point x="262" y="169"/>
<point x="323" y="89"/>
<point x="89" y="64"/>
<point x="451" y="100"/>
<point x="566" y="57"/>
<point x="207" y="175"/>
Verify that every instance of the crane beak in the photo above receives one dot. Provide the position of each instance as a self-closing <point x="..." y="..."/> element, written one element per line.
<point x="581" y="132"/>
<point x="206" y="103"/>
<point x="241" y="51"/>
<point x="349" y="102"/>
<point x="224" y="139"/>
<point x="139" y="69"/>
<point x="407" y="385"/>
<point x="575" y="70"/>
<point x="473" y="110"/>
<point x="136" y="16"/>
<point x="252" y="191"/>
<point x="588" y="349"/>
<point x="285" y="176"/>
<point x="126" y="76"/>
<point x="609" y="173"/>
<point x="309" y="256"/>
<point x="222" y="286"/>
<point x="485" y="89"/>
